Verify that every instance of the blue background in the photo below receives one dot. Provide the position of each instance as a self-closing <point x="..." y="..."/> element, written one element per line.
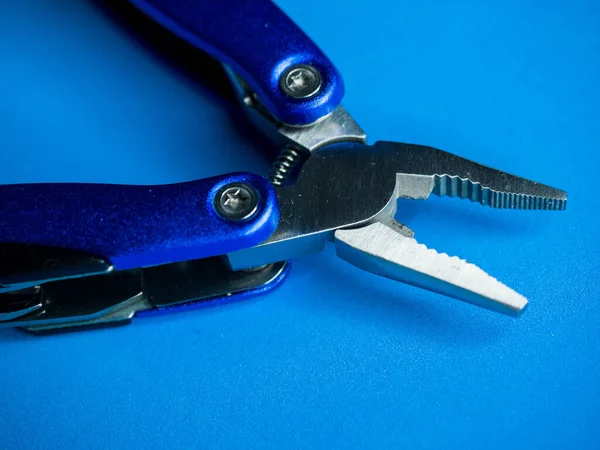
<point x="334" y="357"/>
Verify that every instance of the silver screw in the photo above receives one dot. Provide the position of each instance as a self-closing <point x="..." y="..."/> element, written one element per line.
<point x="236" y="201"/>
<point x="300" y="81"/>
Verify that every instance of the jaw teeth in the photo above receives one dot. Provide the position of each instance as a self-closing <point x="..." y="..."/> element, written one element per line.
<point x="379" y="249"/>
<point x="446" y="185"/>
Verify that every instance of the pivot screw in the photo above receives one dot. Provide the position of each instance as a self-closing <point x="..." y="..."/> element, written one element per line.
<point x="300" y="81"/>
<point x="236" y="201"/>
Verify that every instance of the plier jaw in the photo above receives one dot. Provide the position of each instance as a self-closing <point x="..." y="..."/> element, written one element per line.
<point x="347" y="194"/>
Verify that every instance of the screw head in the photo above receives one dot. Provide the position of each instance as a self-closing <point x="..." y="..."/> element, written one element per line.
<point x="300" y="81"/>
<point x="236" y="201"/>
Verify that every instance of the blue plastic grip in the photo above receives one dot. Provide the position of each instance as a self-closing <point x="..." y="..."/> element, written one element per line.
<point x="259" y="42"/>
<point x="134" y="226"/>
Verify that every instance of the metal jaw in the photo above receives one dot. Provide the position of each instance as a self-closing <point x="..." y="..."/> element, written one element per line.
<point x="347" y="194"/>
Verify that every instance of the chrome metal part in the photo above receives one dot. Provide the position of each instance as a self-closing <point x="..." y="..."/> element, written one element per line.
<point x="381" y="250"/>
<point x="118" y="296"/>
<point x="24" y="266"/>
<point x="339" y="126"/>
<point x="79" y="301"/>
<point x="121" y="313"/>
<point x="301" y="81"/>
<point x="335" y="127"/>
<point x="288" y="162"/>
<point x="339" y="187"/>
<point x="19" y="303"/>
<point x="427" y="170"/>
<point x="237" y="201"/>
<point x="189" y="281"/>
<point x="347" y="186"/>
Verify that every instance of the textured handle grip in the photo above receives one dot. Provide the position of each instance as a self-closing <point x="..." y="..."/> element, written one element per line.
<point x="134" y="226"/>
<point x="259" y="42"/>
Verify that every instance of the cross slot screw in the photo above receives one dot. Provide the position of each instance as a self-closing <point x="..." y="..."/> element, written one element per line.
<point x="301" y="81"/>
<point x="236" y="201"/>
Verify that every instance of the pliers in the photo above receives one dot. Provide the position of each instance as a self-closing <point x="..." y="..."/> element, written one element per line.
<point x="76" y="255"/>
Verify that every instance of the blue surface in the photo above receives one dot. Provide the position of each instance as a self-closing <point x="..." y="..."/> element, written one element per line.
<point x="334" y="357"/>
<point x="135" y="226"/>
<point x="259" y="42"/>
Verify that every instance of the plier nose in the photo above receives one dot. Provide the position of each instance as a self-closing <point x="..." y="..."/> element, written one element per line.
<point x="347" y="194"/>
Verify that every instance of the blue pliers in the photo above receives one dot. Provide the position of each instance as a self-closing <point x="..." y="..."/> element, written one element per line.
<point x="76" y="255"/>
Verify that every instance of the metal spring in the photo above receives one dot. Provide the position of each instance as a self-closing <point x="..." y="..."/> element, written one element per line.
<point x="285" y="164"/>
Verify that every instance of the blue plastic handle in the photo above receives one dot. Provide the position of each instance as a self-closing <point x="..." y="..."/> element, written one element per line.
<point x="259" y="42"/>
<point x="134" y="226"/>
